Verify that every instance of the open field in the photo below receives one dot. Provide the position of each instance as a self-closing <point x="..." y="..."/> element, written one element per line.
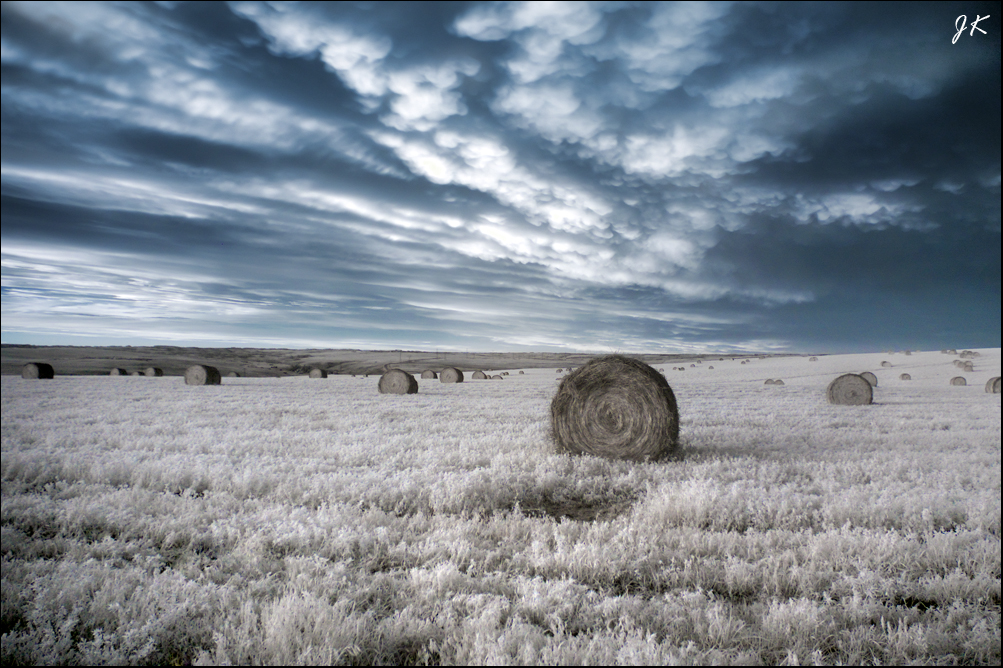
<point x="296" y="520"/>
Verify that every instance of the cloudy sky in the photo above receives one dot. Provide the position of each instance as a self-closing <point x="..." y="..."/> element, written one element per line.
<point x="502" y="176"/>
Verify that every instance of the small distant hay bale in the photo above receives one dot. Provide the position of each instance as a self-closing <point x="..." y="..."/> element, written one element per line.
<point x="957" y="363"/>
<point x="952" y="351"/>
<point x="959" y="381"/>
<point x="504" y="373"/>
<point x="743" y="361"/>
<point x="135" y="373"/>
<point x="428" y="373"/>
<point x="904" y="376"/>
<point x="968" y="367"/>
<point x="450" y="375"/>
<point x="233" y="374"/>
<point x="153" y="372"/>
<point x="37" y="370"/>
<point x="993" y="385"/>
<point x="615" y="407"/>
<point x="693" y="366"/>
<point x="886" y="364"/>
<point x="397" y="381"/>
<point x="202" y="374"/>
<point x="778" y="381"/>
<point x="522" y="373"/>
<point x="317" y="373"/>
<point x="769" y="381"/>
<point x="118" y="372"/>
<point x="850" y="389"/>
<point x="710" y="367"/>
<point x="812" y="359"/>
<point x="497" y="377"/>
<point x="869" y="377"/>
<point x="479" y="375"/>
<point x="908" y="352"/>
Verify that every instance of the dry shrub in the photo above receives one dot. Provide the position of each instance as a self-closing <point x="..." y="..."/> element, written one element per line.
<point x="870" y="378"/>
<point x="615" y="407"/>
<point x="34" y="370"/>
<point x="428" y="373"/>
<point x="905" y="376"/>
<point x="154" y="372"/>
<point x="118" y="372"/>
<point x="397" y="381"/>
<point x="317" y="373"/>
<point x="560" y="370"/>
<point x="993" y="385"/>
<point x="959" y="381"/>
<point x="479" y="375"/>
<point x="450" y="375"/>
<point x="202" y="374"/>
<point x="850" y="389"/>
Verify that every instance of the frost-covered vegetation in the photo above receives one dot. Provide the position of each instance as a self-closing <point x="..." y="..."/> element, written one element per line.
<point x="317" y="521"/>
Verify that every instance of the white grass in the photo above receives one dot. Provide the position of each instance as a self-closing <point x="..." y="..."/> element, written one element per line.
<point x="281" y="521"/>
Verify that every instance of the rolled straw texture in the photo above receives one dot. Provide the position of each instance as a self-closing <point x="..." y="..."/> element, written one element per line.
<point x="202" y="374"/>
<point x="478" y="375"/>
<point x="870" y="378"/>
<point x="428" y="373"/>
<point x="615" y="407"/>
<point x="450" y="375"/>
<point x="397" y="381"/>
<point x="993" y="385"/>
<point x="769" y="381"/>
<point x="850" y="389"/>
<point x="905" y="376"/>
<point x="35" y="370"/>
<point x="886" y="364"/>
<point x="959" y="381"/>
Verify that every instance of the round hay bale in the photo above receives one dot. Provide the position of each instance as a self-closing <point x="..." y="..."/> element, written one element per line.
<point x="397" y="381"/>
<point x="497" y="377"/>
<point x="952" y="351"/>
<point x="957" y="363"/>
<point x="479" y="375"/>
<point x="812" y="359"/>
<point x="522" y="373"/>
<point x="693" y="366"/>
<point x="233" y="374"/>
<point x="870" y="378"/>
<point x="450" y="375"/>
<point x="904" y="376"/>
<point x="615" y="407"/>
<point x="993" y="385"/>
<point x="36" y="370"/>
<point x="428" y="373"/>
<point x="968" y="367"/>
<point x="202" y="374"/>
<point x="908" y="352"/>
<point x="778" y="382"/>
<point x="710" y="367"/>
<point x="886" y="364"/>
<point x="153" y="372"/>
<point x="118" y="372"/>
<point x="135" y="373"/>
<point x="959" y="381"/>
<point x="769" y="381"/>
<point x="317" y="373"/>
<point x="850" y="389"/>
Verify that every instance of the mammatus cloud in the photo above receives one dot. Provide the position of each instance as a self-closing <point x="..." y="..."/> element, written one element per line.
<point x="323" y="171"/>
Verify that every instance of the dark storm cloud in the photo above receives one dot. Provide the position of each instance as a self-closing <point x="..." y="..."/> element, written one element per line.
<point x="503" y="175"/>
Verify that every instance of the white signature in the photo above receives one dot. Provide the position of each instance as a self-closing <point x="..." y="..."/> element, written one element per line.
<point x="975" y="26"/>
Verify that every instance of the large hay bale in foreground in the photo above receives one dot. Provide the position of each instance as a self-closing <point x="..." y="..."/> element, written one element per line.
<point x="153" y="372"/>
<point x="479" y="375"/>
<point x="450" y="375"/>
<point x="36" y="370"/>
<point x="428" y="373"/>
<point x="959" y="381"/>
<point x="317" y="373"/>
<point x="870" y="378"/>
<point x="993" y="385"/>
<point x="397" y="381"/>
<point x="615" y="407"/>
<point x="850" y="389"/>
<point x="202" y="374"/>
<point x="118" y="372"/>
<point x="904" y="376"/>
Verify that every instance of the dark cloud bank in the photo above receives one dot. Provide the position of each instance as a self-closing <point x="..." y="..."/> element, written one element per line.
<point x="630" y="176"/>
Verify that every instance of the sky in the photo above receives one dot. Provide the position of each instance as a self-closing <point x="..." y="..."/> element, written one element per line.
<point x="632" y="177"/>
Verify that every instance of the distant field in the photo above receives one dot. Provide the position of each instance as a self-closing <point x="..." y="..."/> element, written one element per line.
<point x="293" y="520"/>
